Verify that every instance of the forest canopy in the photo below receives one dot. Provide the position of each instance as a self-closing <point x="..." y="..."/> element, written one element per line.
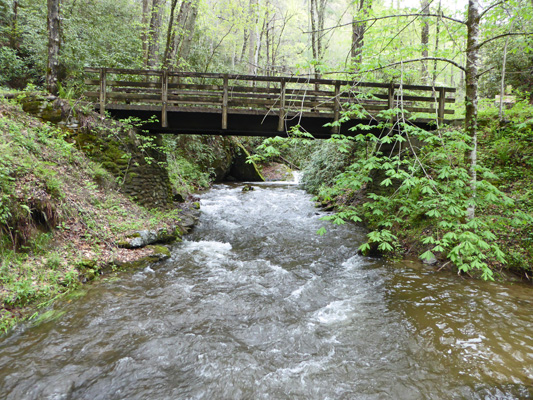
<point x="341" y="38"/>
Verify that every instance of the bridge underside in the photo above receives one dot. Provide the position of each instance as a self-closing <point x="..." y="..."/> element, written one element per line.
<point x="239" y="122"/>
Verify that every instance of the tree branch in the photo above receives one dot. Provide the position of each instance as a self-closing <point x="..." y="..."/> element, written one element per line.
<point x="386" y="17"/>
<point x="490" y="8"/>
<point x="418" y="60"/>
<point x="504" y="35"/>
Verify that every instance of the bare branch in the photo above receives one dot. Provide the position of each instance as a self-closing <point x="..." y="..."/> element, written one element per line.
<point x="389" y="16"/>
<point x="490" y="8"/>
<point x="418" y="60"/>
<point x="484" y="72"/>
<point x="504" y="35"/>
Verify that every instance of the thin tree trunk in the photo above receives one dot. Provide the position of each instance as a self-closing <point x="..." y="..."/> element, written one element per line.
<point x="286" y="19"/>
<point x="472" y="65"/>
<point x="435" y="54"/>
<point x="252" y="69"/>
<point x="14" y="34"/>
<point x="268" y="47"/>
<point x="171" y="36"/>
<point x="312" y="7"/>
<point x="321" y="15"/>
<point x="317" y="10"/>
<point x="260" y="40"/>
<point x="54" y="43"/>
<point x="244" y="45"/>
<point x="424" y="39"/>
<point x="358" y="30"/>
<point x="502" y="85"/>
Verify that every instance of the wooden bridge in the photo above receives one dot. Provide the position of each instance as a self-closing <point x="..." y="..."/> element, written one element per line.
<point x="244" y="105"/>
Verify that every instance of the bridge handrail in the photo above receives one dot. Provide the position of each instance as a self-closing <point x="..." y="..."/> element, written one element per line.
<point x="309" y="99"/>
<point x="264" y="78"/>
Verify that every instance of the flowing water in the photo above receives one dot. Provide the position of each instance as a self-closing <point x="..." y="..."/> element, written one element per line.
<point x="255" y="305"/>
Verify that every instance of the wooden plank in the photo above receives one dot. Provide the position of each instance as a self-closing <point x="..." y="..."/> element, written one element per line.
<point x="134" y="84"/>
<point x="133" y="96"/>
<point x="126" y="71"/>
<point x="293" y="79"/>
<point x="425" y="99"/>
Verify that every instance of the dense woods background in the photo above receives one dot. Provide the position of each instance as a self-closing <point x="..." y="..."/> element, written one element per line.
<point x="265" y="37"/>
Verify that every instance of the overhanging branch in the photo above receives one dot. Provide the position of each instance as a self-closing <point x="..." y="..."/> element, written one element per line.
<point x="418" y="60"/>
<point x="504" y="35"/>
<point x="386" y="17"/>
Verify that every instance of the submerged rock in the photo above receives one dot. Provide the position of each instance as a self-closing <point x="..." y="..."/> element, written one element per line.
<point x="188" y="217"/>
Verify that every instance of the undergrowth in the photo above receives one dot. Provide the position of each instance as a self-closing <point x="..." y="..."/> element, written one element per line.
<point x="60" y="215"/>
<point x="413" y="191"/>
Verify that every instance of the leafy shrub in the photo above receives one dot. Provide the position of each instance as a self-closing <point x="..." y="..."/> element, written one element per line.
<point x="13" y="70"/>
<point x="327" y="162"/>
<point x="430" y="194"/>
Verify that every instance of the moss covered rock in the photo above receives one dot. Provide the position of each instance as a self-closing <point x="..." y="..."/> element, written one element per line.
<point x="243" y="170"/>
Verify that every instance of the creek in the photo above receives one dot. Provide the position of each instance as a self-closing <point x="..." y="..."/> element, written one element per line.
<point x="255" y="305"/>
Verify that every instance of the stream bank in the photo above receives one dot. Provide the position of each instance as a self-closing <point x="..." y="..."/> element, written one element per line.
<point x="65" y="220"/>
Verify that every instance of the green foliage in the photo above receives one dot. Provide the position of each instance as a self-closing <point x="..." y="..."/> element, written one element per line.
<point x="296" y="150"/>
<point x="190" y="162"/>
<point x="426" y="192"/>
<point x="325" y="163"/>
<point x="12" y="67"/>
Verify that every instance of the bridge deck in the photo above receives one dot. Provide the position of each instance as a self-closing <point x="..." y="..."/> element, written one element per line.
<point x="223" y="104"/>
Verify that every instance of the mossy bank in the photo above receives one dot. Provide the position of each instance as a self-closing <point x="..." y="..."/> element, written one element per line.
<point x="65" y="219"/>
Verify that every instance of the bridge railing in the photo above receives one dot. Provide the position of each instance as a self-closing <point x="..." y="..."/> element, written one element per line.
<point x="286" y="97"/>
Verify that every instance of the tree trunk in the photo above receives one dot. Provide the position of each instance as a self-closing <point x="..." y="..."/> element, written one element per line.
<point x="312" y="7"/>
<point x="502" y="83"/>
<point x="472" y="65"/>
<point x="252" y="68"/>
<point x="317" y="13"/>
<point x="170" y="47"/>
<point x="145" y="22"/>
<point x="185" y="48"/>
<point x="244" y="45"/>
<point x="435" y="54"/>
<point x="358" y="30"/>
<point x="424" y="39"/>
<point x="154" y="32"/>
<point x="52" y="69"/>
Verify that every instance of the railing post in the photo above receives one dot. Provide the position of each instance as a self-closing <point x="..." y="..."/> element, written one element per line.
<point x="281" y="121"/>
<point x="103" y="95"/>
<point x="390" y="101"/>
<point x="164" y="98"/>
<point x="442" y="104"/>
<point x="337" y="107"/>
<point x="225" y="103"/>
